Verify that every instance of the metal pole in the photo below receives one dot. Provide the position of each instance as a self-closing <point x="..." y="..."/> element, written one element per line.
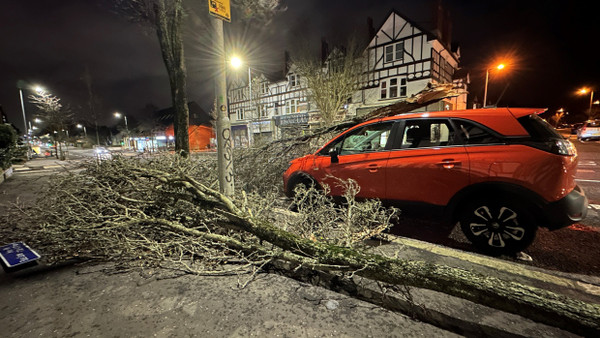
<point x="224" y="149"/>
<point x="250" y="132"/>
<point x="25" y="124"/>
<point x="591" y="101"/>
<point x="487" y="75"/>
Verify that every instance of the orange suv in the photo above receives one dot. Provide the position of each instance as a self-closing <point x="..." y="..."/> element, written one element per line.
<point x="500" y="172"/>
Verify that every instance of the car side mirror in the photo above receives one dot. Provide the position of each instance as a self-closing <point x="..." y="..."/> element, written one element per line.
<point x="334" y="155"/>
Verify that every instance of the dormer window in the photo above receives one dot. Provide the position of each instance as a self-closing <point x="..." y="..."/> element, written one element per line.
<point x="394" y="52"/>
<point x="293" y="80"/>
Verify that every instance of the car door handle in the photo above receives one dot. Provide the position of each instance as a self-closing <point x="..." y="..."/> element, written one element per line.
<point x="373" y="167"/>
<point x="449" y="163"/>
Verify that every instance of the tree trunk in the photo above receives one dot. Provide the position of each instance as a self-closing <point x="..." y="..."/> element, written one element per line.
<point x="527" y="301"/>
<point x="169" y="15"/>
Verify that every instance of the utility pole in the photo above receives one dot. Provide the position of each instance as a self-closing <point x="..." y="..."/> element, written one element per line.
<point x="224" y="148"/>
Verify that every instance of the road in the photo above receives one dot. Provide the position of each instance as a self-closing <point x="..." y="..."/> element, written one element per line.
<point x="588" y="177"/>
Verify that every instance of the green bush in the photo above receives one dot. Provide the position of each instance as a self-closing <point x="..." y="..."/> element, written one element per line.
<point x="8" y="145"/>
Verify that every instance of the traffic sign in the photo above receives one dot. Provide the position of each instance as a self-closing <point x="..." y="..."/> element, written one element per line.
<point x="16" y="254"/>
<point x="220" y="8"/>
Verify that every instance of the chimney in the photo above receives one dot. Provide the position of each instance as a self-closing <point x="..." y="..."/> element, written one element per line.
<point x="442" y="24"/>
<point x="371" y="29"/>
<point x="324" y="50"/>
<point x="286" y="62"/>
<point x="447" y="30"/>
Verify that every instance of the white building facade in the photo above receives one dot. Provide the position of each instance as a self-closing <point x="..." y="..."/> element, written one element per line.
<point x="400" y="60"/>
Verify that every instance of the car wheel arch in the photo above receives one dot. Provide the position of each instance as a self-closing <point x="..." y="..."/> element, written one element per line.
<point x="498" y="190"/>
<point x="297" y="178"/>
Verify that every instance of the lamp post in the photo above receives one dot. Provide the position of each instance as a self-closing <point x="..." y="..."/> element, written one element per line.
<point x="584" y="91"/>
<point x="27" y="131"/>
<point x="118" y="115"/>
<point x="80" y="126"/>
<point x="487" y="76"/>
<point x="236" y="63"/>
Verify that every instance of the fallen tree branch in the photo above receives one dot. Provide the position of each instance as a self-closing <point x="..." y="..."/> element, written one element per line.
<point x="527" y="301"/>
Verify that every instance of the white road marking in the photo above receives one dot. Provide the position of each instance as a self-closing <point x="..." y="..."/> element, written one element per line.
<point x="594" y="206"/>
<point x="587" y="163"/>
<point x="591" y="181"/>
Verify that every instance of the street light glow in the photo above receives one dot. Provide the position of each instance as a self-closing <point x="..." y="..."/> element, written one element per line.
<point x="501" y="66"/>
<point x="79" y="126"/>
<point x="117" y="114"/>
<point x="39" y="89"/>
<point x="583" y="91"/>
<point x="236" y="62"/>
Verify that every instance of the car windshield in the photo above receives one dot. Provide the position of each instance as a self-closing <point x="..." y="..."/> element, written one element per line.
<point x="594" y="124"/>
<point x="538" y="128"/>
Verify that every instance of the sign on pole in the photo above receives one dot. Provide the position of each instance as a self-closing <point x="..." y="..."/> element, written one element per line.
<point x="220" y="9"/>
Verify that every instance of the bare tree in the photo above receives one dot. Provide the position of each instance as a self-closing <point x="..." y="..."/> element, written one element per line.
<point x="166" y="18"/>
<point x="56" y="118"/>
<point x="331" y="82"/>
<point x="92" y="101"/>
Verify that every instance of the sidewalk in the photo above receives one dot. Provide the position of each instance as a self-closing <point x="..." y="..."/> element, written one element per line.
<point x="83" y="300"/>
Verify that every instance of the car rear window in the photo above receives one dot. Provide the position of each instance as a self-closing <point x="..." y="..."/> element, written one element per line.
<point x="594" y="124"/>
<point x="537" y="128"/>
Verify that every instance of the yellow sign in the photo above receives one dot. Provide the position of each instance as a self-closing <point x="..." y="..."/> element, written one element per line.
<point x="220" y="9"/>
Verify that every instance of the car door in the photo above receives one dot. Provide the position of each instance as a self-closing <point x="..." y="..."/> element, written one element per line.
<point x="360" y="155"/>
<point x="426" y="164"/>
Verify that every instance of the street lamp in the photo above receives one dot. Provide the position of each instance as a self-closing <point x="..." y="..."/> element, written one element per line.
<point x="80" y="126"/>
<point x="118" y="115"/>
<point x="237" y="63"/>
<point x="487" y="75"/>
<point x="584" y="91"/>
<point x="27" y="131"/>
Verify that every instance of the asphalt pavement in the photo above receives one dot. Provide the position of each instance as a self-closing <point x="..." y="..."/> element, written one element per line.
<point x="448" y="313"/>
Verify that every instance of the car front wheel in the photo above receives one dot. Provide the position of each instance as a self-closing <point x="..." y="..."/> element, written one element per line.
<point x="498" y="227"/>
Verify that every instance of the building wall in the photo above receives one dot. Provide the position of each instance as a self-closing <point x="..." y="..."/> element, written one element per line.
<point x="400" y="60"/>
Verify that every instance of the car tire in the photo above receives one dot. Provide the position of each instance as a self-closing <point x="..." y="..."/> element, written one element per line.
<point x="498" y="226"/>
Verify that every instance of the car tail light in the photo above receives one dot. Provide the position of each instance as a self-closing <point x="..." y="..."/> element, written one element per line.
<point x="563" y="147"/>
<point x="555" y="146"/>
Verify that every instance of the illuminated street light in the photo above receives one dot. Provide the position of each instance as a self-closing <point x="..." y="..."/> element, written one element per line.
<point x="80" y="126"/>
<point x="584" y="91"/>
<point x="487" y="75"/>
<point x="237" y="63"/>
<point x="27" y="131"/>
<point x="118" y="115"/>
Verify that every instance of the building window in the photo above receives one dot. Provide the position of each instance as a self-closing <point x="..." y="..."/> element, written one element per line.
<point x="394" y="52"/>
<point x="393" y="88"/>
<point x="264" y="88"/>
<point x="383" y="90"/>
<point x="262" y="110"/>
<point x="397" y="88"/>
<point x="240" y="114"/>
<point x="293" y="80"/>
<point x="292" y="106"/>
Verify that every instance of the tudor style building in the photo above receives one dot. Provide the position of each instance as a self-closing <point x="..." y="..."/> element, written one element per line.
<point x="400" y="60"/>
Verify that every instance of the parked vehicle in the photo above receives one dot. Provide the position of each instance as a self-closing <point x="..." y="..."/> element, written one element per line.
<point x="589" y="131"/>
<point x="500" y="172"/>
<point x="102" y="154"/>
<point x="575" y="128"/>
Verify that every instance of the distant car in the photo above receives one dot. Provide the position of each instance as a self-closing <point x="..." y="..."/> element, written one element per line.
<point x="575" y="128"/>
<point x="102" y="153"/>
<point x="589" y="131"/>
<point x="500" y="172"/>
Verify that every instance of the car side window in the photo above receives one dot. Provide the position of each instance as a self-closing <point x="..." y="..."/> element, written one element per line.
<point x="427" y="133"/>
<point x="369" y="138"/>
<point x="471" y="133"/>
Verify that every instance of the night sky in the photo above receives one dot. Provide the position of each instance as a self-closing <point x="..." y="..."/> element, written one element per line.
<point x="550" y="46"/>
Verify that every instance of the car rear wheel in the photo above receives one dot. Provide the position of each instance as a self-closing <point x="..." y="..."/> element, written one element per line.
<point x="498" y="226"/>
